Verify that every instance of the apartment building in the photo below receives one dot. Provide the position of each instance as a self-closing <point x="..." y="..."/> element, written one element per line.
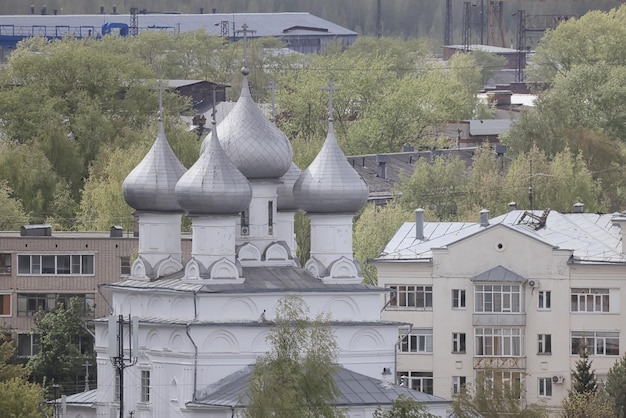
<point x="516" y="297"/>
<point x="41" y="268"/>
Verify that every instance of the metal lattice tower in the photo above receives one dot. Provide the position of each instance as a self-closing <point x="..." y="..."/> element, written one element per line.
<point x="521" y="45"/>
<point x="133" y="28"/>
<point x="495" y="24"/>
<point x="447" y="29"/>
<point x="467" y="25"/>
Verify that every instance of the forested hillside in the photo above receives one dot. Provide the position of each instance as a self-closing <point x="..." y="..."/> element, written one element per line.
<point x="400" y="18"/>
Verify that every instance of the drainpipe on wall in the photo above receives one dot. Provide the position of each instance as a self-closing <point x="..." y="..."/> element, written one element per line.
<point x="195" y="347"/>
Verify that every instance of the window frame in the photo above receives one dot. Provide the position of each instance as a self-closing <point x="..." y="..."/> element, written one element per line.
<point x="459" y="343"/>
<point x="46" y="264"/>
<point x="591" y="339"/>
<point x="457" y="384"/>
<point x="417" y="338"/>
<point x="28" y="304"/>
<point x="586" y="296"/>
<point x="33" y="344"/>
<point x="544" y="344"/>
<point x="459" y="299"/>
<point x="498" y="342"/>
<point x="6" y="264"/>
<point x="144" y="390"/>
<point x="544" y="300"/>
<point x="544" y="387"/>
<point x="494" y="298"/>
<point x="125" y="266"/>
<point x="408" y="297"/>
<point x="418" y="380"/>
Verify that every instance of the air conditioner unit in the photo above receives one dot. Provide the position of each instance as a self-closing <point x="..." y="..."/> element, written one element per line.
<point x="557" y="379"/>
<point x="245" y="230"/>
<point x="533" y="283"/>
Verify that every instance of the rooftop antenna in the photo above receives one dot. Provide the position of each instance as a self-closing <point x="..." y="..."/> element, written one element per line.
<point x="273" y="87"/>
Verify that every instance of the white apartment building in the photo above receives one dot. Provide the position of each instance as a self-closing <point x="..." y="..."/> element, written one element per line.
<point x="515" y="295"/>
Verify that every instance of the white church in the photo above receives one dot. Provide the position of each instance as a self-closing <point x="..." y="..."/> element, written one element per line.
<point x="193" y="328"/>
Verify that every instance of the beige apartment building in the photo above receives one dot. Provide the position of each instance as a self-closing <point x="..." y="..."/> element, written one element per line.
<point x="515" y="296"/>
<point x="41" y="268"/>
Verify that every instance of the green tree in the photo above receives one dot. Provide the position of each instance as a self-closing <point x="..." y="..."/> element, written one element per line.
<point x="296" y="376"/>
<point x="587" y="405"/>
<point x="488" y="398"/>
<point x="372" y="230"/>
<point x="13" y="215"/>
<point x="65" y="344"/>
<point x="403" y="407"/>
<point x="20" y="399"/>
<point x="583" y="376"/>
<point x="616" y="386"/>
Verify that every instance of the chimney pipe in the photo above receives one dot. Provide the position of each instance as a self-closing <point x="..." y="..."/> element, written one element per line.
<point x="101" y="10"/>
<point x="381" y="161"/>
<point x="512" y="206"/>
<point x="579" y="207"/>
<point x="419" y="224"/>
<point x="44" y="10"/>
<point x="114" y="9"/>
<point x="484" y="217"/>
<point x="32" y="9"/>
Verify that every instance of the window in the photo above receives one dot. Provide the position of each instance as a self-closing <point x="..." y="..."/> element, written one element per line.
<point x="418" y="341"/>
<point x="544" y="300"/>
<point x="79" y="265"/>
<point x="5" y="264"/>
<point x="458" y="342"/>
<point x="497" y="298"/>
<point x="245" y="222"/>
<point x="145" y="386"/>
<point x="458" y="298"/>
<point x="589" y="300"/>
<point x="29" y="303"/>
<point x="596" y="343"/>
<point x="422" y="381"/>
<point x="502" y="380"/>
<point x="457" y="384"/>
<point x="270" y="217"/>
<point x="5" y="305"/>
<point x="545" y="387"/>
<point x="544" y="344"/>
<point x="415" y="297"/>
<point x="498" y="342"/>
<point x="125" y="266"/>
<point x="27" y="345"/>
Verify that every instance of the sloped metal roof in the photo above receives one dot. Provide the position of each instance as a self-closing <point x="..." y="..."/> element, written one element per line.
<point x="264" y="24"/>
<point x="498" y="274"/>
<point x="355" y="389"/>
<point x="478" y="127"/>
<point x="590" y="237"/>
<point x="258" y="280"/>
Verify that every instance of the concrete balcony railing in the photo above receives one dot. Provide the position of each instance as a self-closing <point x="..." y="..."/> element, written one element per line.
<point x="499" y="319"/>
<point x="518" y="363"/>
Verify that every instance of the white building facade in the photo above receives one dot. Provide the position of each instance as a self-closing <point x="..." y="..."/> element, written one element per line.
<point x="515" y="296"/>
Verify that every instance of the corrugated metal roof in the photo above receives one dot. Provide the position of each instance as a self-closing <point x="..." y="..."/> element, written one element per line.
<point x="355" y="389"/>
<point x="590" y="237"/>
<point x="498" y="274"/>
<point x="264" y="24"/>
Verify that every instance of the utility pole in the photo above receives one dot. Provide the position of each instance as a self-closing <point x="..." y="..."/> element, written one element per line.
<point x="116" y="349"/>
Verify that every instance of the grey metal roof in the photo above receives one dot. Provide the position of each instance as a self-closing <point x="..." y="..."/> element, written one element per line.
<point x="87" y="398"/>
<point x="264" y="24"/>
<point x="355" y="389"/>
<point x="479" y="127"/>
<point x="213" y="185"/>
<point x="254" y="144"/>
<point x="591" y="237"/>
<point x="257" y="280"/>
<point x="286" y="200"/>
<point x="498" y="274"/>
<point x="150" y="185"/>
<point x="330" y="184"/>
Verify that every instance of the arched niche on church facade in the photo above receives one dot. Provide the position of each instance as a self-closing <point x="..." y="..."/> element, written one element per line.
<point x="367" y="340"/>
<point x="177" y="342"/>
<point x="220" y="342"/>
<point x="153" y="340"/>
<point x="241" y="308"/>
<point x="259" y="343"/>
<point x="343" y="308"/>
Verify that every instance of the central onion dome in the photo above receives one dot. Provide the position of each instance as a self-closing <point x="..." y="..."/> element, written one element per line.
<point x="150" y="185"/>
<point x="330" y="184"/>
<point x="213" y="185"/>
<point x="255" y="145"/>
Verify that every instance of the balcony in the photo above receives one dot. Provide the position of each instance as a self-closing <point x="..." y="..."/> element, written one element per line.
<point x="500" y="363"/>
<point x="499" y="319"/>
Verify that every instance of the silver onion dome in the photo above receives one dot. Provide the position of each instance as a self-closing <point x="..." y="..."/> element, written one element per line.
<point x="330" y="184"/>
<point x="213" y="185"/>
<point x="286" y="200"/>
<point x="150" y="185"/>
<point x="255" y="145"/>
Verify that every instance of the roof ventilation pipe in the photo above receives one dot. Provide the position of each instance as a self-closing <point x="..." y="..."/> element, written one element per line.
<point x="512" y="206"/>
<point x="484" y="217"/>
<point x="381" y="161"/>
<point x="419" y="224"/>
<point x="579" y="207"/>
